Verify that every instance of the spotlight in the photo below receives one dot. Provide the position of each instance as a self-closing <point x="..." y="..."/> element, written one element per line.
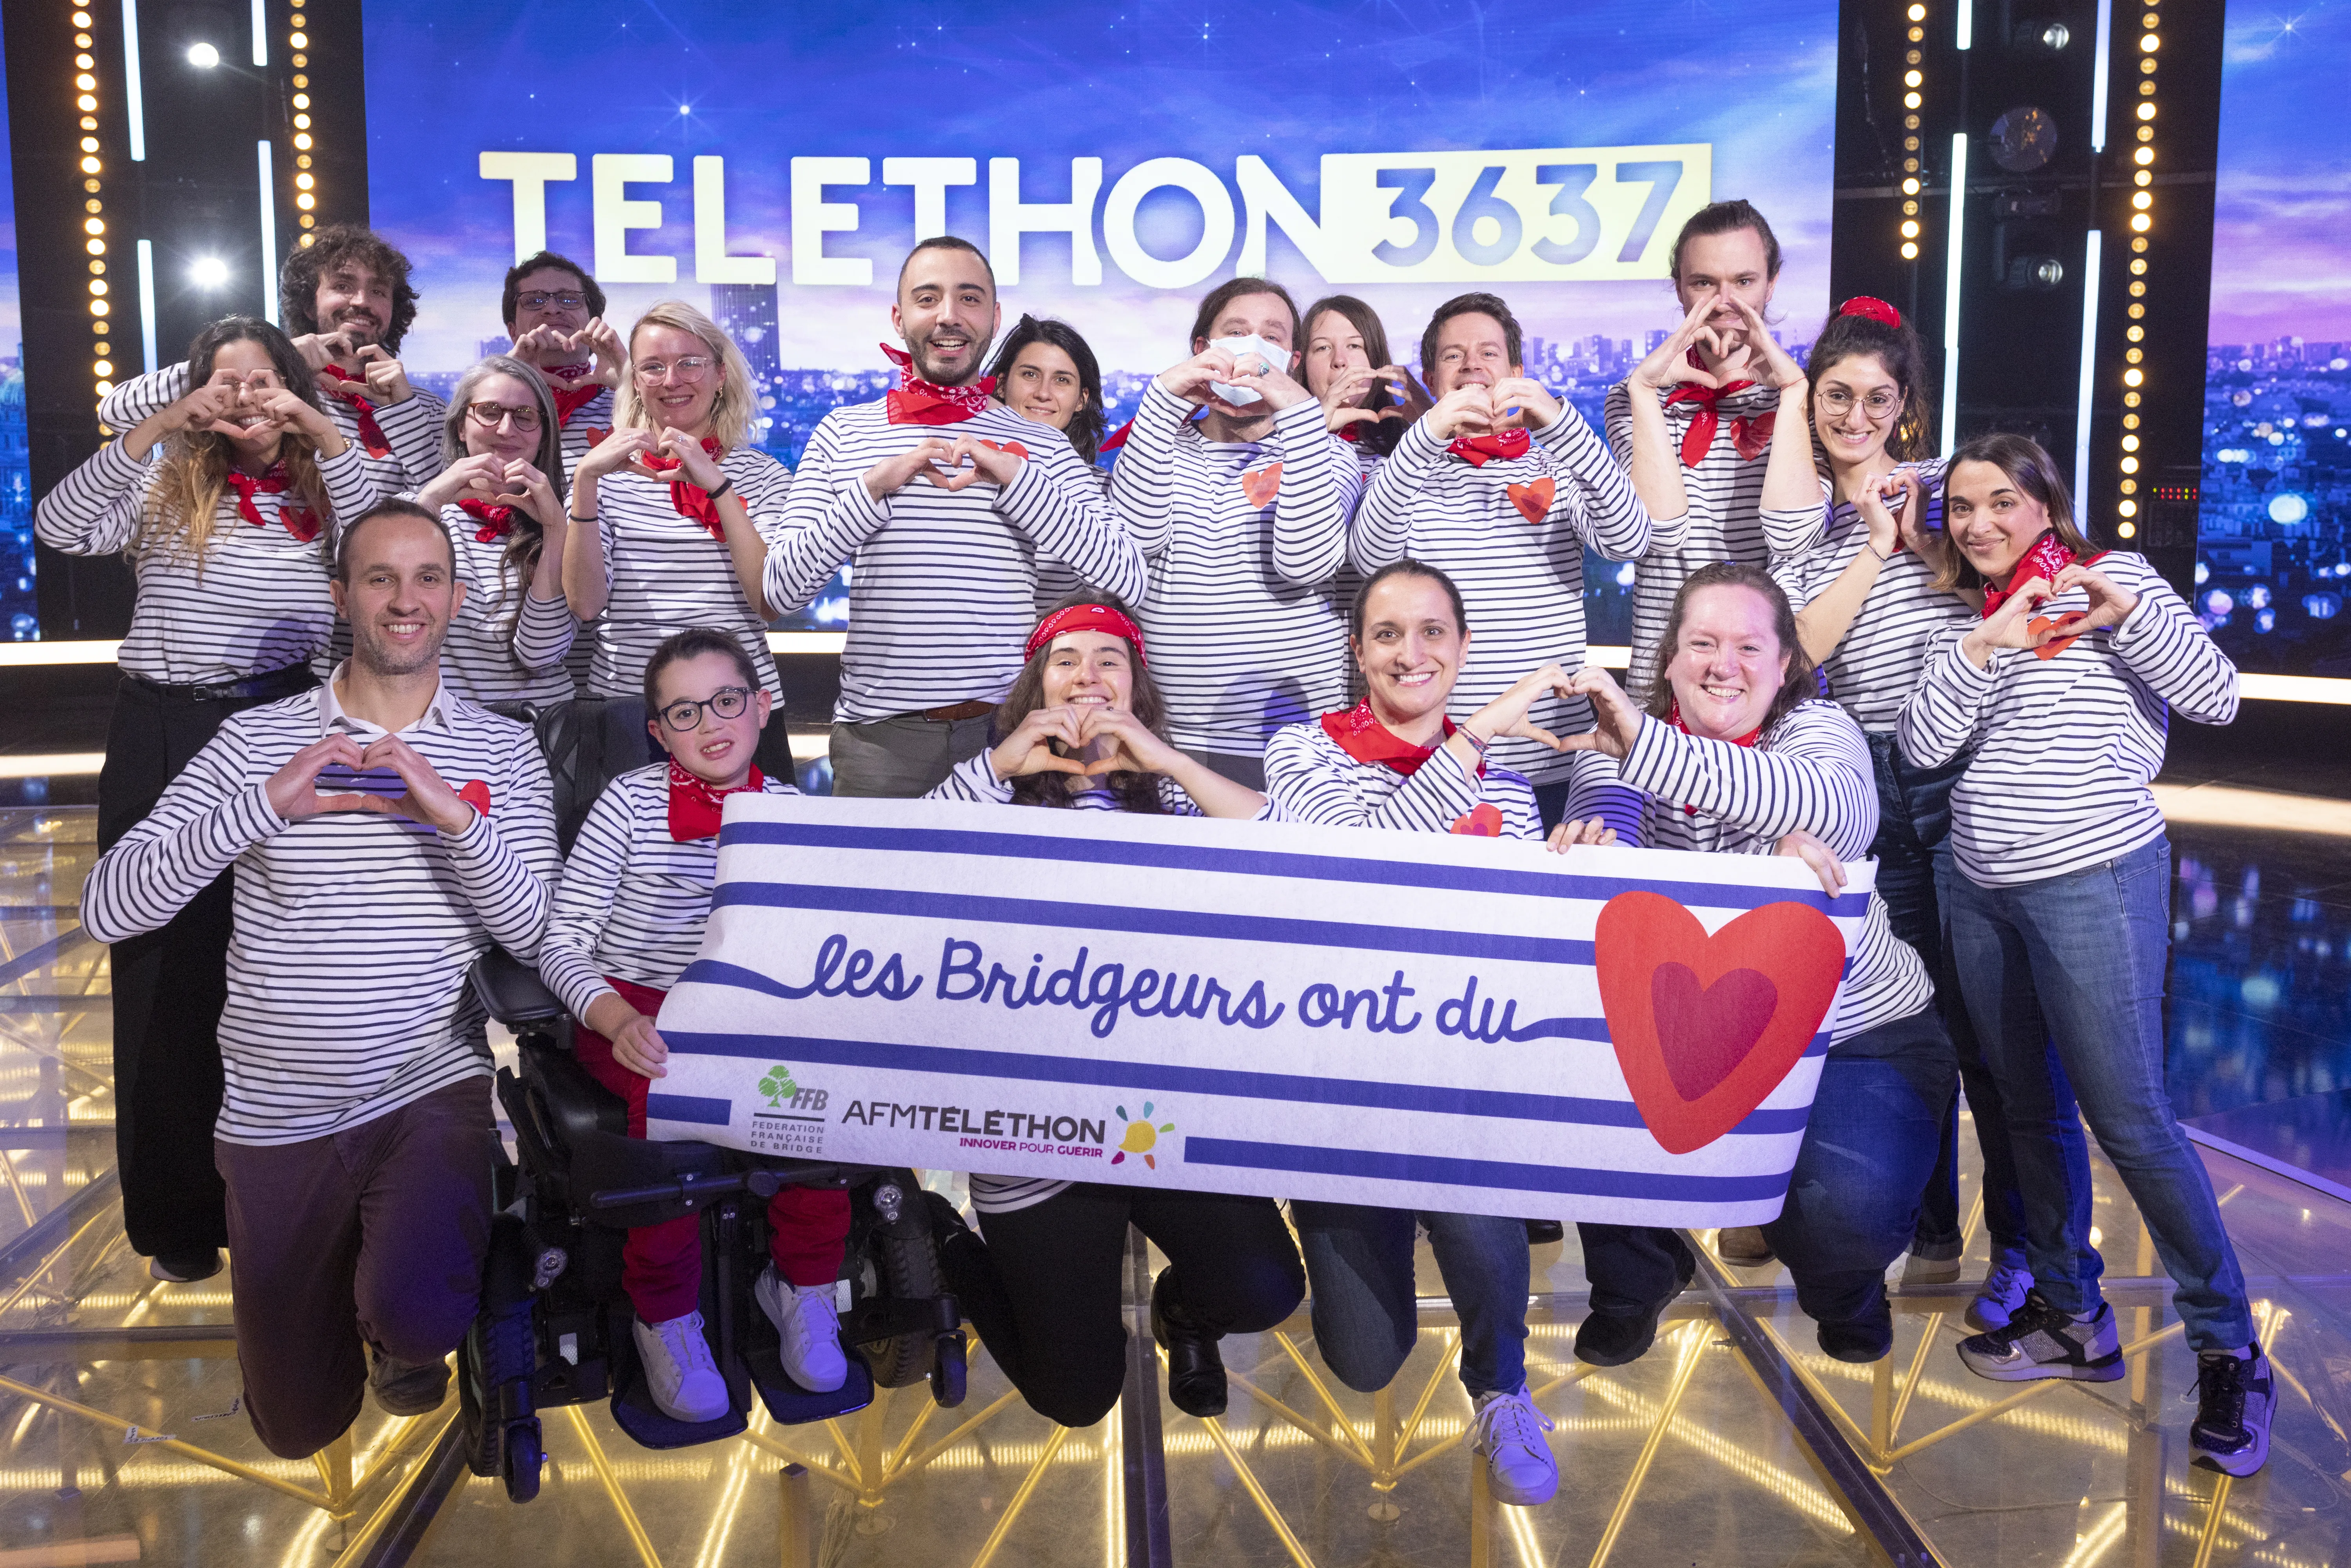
<point x="203" y="56"/>
<point x="2039" y="273"/>
<point x="208" y="272"/>
<point x="2043" y="34"/>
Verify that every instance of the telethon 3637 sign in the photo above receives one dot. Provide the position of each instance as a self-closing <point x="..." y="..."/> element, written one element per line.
<point x="1413" y="1019"/>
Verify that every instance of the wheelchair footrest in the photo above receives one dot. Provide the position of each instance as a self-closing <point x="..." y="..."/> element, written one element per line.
<point x="791" y="1404"/>
<point x="878" y="1318"/>
<point x="635" y="1412"/>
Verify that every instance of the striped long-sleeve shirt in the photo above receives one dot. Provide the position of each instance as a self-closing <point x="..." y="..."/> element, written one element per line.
<point x="1903" y="618"/>
<point x="253" y="601"/>
<point x="589" y="424"/>
<point x="943" y="584"/>
<point x="632" y="900"/>
<point x="1511" y="535"/>
<point x="354" y="930"/>
<point x="1810" y="771"/>
<point x="669" y="573"/>
<point x="411" y="427"/>
<point x="1313" y="779"/>
<point x="504" y="646"/>
<point x="1245" y="541"/>
<point x="2066" y="743"/>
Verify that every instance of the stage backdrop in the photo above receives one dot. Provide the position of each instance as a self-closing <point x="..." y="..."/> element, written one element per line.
<point x="773" y="164"/>
<point x="17" y="602"/>
<point x="2273" y="577"/>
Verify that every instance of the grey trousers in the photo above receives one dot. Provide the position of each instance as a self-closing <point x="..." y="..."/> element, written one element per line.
<point x="904" y="756"/>
<point x="1246" y="771"/>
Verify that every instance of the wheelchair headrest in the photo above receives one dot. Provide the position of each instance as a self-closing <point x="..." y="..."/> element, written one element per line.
<point x="587" y="742"/>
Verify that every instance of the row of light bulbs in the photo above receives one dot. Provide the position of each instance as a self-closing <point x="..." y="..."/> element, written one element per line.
<point x="93" y="224"/>
<point x="306" y="183"/>
<point x="2142" y="219"/>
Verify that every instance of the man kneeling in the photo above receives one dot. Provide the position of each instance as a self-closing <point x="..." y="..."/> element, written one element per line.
<point x="385" y="833"/>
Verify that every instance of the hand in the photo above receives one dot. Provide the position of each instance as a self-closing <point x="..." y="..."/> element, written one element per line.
<point x="1668" y="363"/>
<point x="540" y="344"/>
<point x="387" y="379"/>
<point x="1884" y="500"/>
<point x="286" y="411"/>
<point x="1815" y="854"/>
<point x="1341" y="409"/>
<point x="1464" y="411"/>
<point x="319" y="350"/>
<point x="1121" y="743"/>
<point x="1594" y="830"/>
<point x="611" y="354"/>
<point x="1525" y="402"/>
<point x="1507" y="713"/>
<point x="2011" y="625"/>
<point x="293" y="789"/>
<point x="210" y="407"/>
<point x="2110" y="603"/>
<point x="1190" y="380"/>
<point x="1616" y="722"/>
<point x="481" y="476"/>
<point x="1030" y="748"/>
<point x="695" y="466"/>
<point x="1275" y="389"/>
<point x="638" y="1046"/>
<point x="523" y="486"/>
<point x="428" y="800"/>
<point x="618" y="450"/>
<point x="1779" y="368"/>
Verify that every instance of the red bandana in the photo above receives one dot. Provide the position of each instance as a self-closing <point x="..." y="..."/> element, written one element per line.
<point x="1480" y="450"/>
<point x="300" y="522"/>
<point x="2046" y="560"/>
<point x="370" y="432"/>
<point x="1877" y="310"/>
<point x="691" y="500"/>
<point x="697" y="808"/>
<point x="918" y="401"/>
<point x="566" y="372"/>
<point x="1751" y="435"/>
<point x="1116" y="438"/>
<point x="496" y="522"/>
<point x="1083" y="617"/>
<point x="568" y="404"/>
<point x="1674" y="717"/>
<point x="1366" y="740"/>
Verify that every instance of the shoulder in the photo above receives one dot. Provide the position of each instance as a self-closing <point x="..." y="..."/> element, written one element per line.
<point x="1298" y="741"/>
<point x="751" y="463"/>
<point x="775" y="784"/>
<point x="634" y="794"/>
<point x="296" y="719"/>
<point x="1815" y="724"/>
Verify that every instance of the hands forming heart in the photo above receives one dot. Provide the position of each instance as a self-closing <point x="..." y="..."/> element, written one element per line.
<point x="1093" y="740"/>
<point x="674" y="454"/>
<point x="387" y="378"/>
<point x="1668" y="364"/>
<point x="293" y="789"/>
<point x="544" y="347"/>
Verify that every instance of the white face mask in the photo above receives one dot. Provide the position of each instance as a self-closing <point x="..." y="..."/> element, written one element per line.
<point x="1243" y="349"/>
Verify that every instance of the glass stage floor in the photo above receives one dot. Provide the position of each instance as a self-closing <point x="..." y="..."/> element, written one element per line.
<point x="1734" y="1441"/>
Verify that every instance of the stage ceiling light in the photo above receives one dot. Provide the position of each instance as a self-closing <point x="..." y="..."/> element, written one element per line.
<point x="203" y="56"/>
<point x="208" y="272"/>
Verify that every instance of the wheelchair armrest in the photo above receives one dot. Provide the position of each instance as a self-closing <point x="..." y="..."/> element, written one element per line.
<point x="511" y="991"/>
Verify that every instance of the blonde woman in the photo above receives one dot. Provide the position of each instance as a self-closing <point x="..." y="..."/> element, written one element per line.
<point x="683" y="506"/>
<point x="222" y="500"/>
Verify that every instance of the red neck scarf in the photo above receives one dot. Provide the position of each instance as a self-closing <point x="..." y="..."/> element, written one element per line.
<point x="918" y="401"/>
<point x="2046" y="560"/>
<point x="370" y="432"/>
<point x="568" y="404"/>
<point x="695" y="808"/>
<point x="1674" y="717"/>
<point x="496" y="522"/>
<point x="1366" y="740"/>
<point x="1750" y="434"/>
<point x="1480" y="450"/>
<point x="300" y="522"/>
<point x="1116" y="438"/>
<point x="691" y="500"/>
<point x="566" y="372"/>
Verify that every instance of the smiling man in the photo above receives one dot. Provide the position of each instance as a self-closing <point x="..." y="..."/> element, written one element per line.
<point x="555" y="314"/>
<point x="942" y="502"/>
<point x="346" y="300"/>
<point x="385" y="832"/>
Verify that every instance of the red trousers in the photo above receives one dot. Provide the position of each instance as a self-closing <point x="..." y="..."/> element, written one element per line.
<point x="661" y="1266"/>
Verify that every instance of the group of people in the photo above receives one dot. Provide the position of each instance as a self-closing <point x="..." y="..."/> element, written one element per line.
<point x="1265" y="607"/>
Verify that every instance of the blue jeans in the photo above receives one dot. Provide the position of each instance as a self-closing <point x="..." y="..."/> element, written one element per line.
<point x="1914" y="868"/>
<point x="1359" y="1275"/>
<point x="2066" y="987"/>
<point x="1853" y="1198"/>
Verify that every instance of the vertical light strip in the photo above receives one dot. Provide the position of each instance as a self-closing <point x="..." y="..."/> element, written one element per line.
<point x="2089" y="375"/>
<point x="261" y="32"/>
<point x="1965" y="35"/>
<point x="269" y="237"/>
<point x="147" y="302"/>
<point x="1951" y="295"/>
<point x="134" y="101"/>
<point x="2098" y="76"/>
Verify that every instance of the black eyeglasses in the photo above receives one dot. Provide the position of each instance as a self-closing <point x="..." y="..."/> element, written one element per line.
<point x="727" y="702"/>
<point x="539" y="299"/>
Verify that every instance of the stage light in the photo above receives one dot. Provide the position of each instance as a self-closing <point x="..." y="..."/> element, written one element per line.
<point x="208" y="272"/>
<point x="103" y="367"/>
<point x="1910" y="250"/>
<point x="203" y="56"/>
<point x="89" y="166"/>
<point x="94" y="225"/>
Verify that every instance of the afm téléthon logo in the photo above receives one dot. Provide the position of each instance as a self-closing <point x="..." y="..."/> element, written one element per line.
<point x="782" y="1093"/>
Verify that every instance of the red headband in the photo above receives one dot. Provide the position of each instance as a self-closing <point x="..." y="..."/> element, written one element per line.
<point x="1875" y="309"/>
<point x="1085" y="616"/>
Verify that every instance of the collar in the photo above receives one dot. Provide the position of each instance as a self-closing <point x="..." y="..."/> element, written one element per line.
<point x="1364" y="738"/>
<point x="2046" y="557"/>
<point x="331" y="716"/>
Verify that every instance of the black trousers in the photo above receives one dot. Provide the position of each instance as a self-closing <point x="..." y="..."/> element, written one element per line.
<point x="170" y="986"/>
<point x="1047" y="1289"/>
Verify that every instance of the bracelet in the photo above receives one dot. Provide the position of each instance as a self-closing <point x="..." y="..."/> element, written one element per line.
<point x="1872" y="549"/>
<point x="724" y="486"/>
<point x="590" y="517"/>
<point x="1476" y="744"/>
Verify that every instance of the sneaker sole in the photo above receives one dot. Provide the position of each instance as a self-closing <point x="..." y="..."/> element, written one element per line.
<point x="2238" y="1465"/>
<point x="2100" y="1371"/>
<point x="1515" y="1499"/>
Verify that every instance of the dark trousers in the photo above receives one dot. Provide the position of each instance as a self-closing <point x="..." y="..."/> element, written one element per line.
<point x="1047" y="1289"/>
<point x="1248" y="772"/>
<point x="170" y="986"/>
<point x="1914" y="868"/>
<point x="374" y="1234"/>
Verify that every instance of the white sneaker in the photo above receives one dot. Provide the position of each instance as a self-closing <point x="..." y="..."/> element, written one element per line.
<point x="679" y="1373"/>
<point x="808" y="1332"/>
<point x="1508" y="1431"/>
<point x="2000" y="1298"/>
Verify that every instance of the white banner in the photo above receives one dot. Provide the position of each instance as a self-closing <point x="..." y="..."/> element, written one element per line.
<point x="1414" y="1020"/>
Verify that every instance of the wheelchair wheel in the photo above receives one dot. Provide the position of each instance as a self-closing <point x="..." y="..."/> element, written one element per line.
<point x="947" y="1369"/>
<point x="522" y="1457"/>
<point x="910" y="1271"/>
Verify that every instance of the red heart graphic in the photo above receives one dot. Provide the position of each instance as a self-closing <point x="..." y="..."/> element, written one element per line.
<point x="476" y="794"/>
<point x="1706" y="1027"/>
<point x="1533" y="501"/>
<point x="1014" y="447"/>
<point x="2057" y="645"/>
<point x="597" y="437"/>
<point x="1483" y="820"/>
<point x="1261" y="485"/>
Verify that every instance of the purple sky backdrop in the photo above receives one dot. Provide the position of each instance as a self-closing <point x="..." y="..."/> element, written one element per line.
<point x="12" y="323"/>
<point x="2283" y="213"/>
<point x="1052" y="80"/>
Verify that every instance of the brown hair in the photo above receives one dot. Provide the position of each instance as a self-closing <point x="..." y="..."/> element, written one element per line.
<point x="1722" y="218"/>
<point x="2031" y="470"/>
<point x="1136" y="792"/>
<point x="1379" y="435"/>
<point x="1905" y="359"/>
<point x="528" y="538"/>
<point x="511" y="301"/>
<point x="346" y="545"/>
<point x="1513" y="338"/>
<point x="1802" y="682"/>
<point x="1405" y="565"/>
<point x="692" y="643"/>
<point x="1204" y="321"/>
<point x="298" y="280"/>
<point x="184" y="502"/>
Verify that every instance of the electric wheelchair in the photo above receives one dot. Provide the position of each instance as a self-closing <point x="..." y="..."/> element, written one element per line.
<point x="554" y="1327"/>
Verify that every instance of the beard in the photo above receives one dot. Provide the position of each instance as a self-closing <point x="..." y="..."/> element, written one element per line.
<point x="931" y="371"/>
<point x="362" y="327"/>
<point x="380" y="656"/>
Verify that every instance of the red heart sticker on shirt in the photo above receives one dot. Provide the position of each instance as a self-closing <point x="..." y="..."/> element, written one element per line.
<point x="1014" y="447"/>
<point x="1262" y="485"/>
<point x="1706" y="1027"/>
<point x="1483" y="820"/>
<point x="476" y="794"/>
<point x="597" y="437"/>
<point x="2057" y="645"/>
<point x="1533" y="501"/>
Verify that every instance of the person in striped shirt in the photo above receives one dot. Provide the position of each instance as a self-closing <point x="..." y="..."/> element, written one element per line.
<point x="1718" y="382"/>
<point x="682" y="507"/>
<point x="501" y="498"/>
<point x="1367" y="401"/>
<point x="555" y="314"/>
<point x="1396" y="761"/>
<point x="1735" y="755"/>
<point x="1083" y="730"/>
<point x="1242" y="509"/>
<point x="2061" y="916"/>
<point x="627" y="920"/>
<point x="1501" y="486"/>
<point x="1045" y="371"/>
<point x="385" y="833"/>
<point x="346" y="300"/>
<point x="943" y="502"/>
<point x="221" y="499"/>
<point x="1869" y="614"/>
